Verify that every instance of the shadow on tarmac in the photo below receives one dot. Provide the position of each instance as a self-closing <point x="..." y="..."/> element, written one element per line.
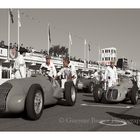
<point x="89" y="101"/>
<point x="129" y="118"/>
<point x="20" y="115"/>
<point x="86" y="95"/>
<point x="10" y="115"/>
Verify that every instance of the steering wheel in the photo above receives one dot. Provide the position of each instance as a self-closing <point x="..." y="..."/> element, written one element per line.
<point x="45" y="71"/>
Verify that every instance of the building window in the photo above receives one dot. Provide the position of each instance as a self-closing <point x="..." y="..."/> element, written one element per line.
<point x="111" y="51"/>
<point x="102" y="51"/>
<point x="107" y="58"/>
<point x="102" y="59"/>
<point x="107" y="51"/>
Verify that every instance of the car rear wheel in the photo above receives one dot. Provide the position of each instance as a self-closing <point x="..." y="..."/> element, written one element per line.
<point x="70" y="93"/>
<point x="134" y="95"/>
<point x="91" y="87"/>
<point x="98" y="93"/>
<point x="34" y="102"/>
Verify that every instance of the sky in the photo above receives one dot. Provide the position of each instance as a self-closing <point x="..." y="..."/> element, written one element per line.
<point x="101" y="28"/>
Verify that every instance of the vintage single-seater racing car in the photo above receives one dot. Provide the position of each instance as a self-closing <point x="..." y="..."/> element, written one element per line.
<point x="86" y="84"/>
<point x="126" y="90"/>
<point x="33" y="93"/>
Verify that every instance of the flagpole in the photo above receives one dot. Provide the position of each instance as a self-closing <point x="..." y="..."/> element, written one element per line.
<point x="85" y="43"/>
<point x="48" y="38"/>
<point x="18" y="28"/>
<point x="84" y="50"/>
<point x="88" y="54"/>
<point x="69" y="45"/>
<point x="8" y="35"/>
<point x="70" y="41"/>
<point x="99" y="59"/>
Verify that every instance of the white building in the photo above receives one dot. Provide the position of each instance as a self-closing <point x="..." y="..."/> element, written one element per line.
<point x="107" y="55"/>
<point x="33" y="63"/>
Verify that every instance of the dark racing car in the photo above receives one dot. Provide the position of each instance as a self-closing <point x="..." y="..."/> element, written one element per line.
<point x="86" y="84"/>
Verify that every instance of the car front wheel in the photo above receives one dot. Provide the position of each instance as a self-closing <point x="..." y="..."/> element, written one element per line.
<point x="91" y="87"/>
<point x="98" y="93"/>
<point x="34" y="102"/>
<point x="134" y="95"/>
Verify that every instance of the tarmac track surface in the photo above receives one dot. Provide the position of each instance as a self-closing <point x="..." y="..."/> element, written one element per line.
<point x="86" y="115"/>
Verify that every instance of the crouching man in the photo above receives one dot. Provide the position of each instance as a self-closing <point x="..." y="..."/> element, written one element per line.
<point x="49" y="68"/>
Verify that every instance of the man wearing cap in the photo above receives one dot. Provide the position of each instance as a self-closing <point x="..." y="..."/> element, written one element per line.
<point x="20" y="65"/>
<point x="111" y="75"/>
<point x="50" y="67"/>
<point x="68" y="71"/>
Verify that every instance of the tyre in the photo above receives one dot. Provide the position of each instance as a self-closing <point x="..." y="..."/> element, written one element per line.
<point x="98" y="93"/>
<point x="34" y="102"/>
<point x="91" y="87"/>
<point x="134" y="95"/>
<point x="70" y="93"/>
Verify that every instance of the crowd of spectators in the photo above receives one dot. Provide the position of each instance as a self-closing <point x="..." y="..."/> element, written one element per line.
<point x="29" y="49"/>
<point x="2" y="44"/>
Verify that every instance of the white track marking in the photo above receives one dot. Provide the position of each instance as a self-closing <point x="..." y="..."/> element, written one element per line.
<point x="107" y="106"/>
<point x="113" y="122"/>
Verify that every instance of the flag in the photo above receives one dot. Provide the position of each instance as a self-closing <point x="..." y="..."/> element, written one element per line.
<point x="49" y="33"/>
<point x="11" y="15"/>
<point x="19" y="20"/>
<point x="70" y="39"/>
<point x="89" y="47"/>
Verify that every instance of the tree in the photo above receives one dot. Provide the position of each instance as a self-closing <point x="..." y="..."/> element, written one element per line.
<point x="56" y="50"/>
<point x="51" y="51"/>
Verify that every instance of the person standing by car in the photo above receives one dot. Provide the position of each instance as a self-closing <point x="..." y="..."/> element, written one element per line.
<point x="20" y="65"/>
<point x="50" y="67"/>
<point x="111" y="76"/>
<point x="68" y="71"/>
<point x="95" y="75"/>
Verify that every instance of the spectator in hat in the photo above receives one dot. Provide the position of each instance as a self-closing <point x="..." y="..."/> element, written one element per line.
<point x="20" y="65"/>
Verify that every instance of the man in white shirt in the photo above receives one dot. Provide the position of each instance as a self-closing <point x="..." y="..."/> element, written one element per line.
<point x="138" y="79"/>
<point x="111" y="75"/>
<point x="20" y="65"/>
<point x="95" y="75"/>
<point x="50" y="67"/>
<point x="68" y="71"/>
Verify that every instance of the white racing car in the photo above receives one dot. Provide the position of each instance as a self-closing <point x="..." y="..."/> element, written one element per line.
<point x="33" y="93"/>
<point x="127" y="89"/>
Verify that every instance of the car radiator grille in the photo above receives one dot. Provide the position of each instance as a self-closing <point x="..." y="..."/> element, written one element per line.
<point x="4" y="90"/>
<point x="112" y="94"/>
